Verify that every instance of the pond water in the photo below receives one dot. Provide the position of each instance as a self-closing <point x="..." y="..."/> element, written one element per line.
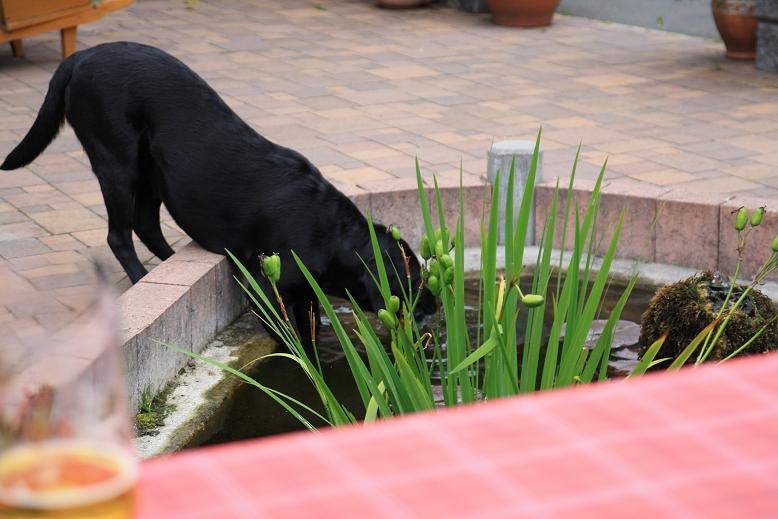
<point x="252" y="414"/>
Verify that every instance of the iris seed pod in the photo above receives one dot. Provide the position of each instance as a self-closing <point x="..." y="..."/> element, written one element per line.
<point x="394" y="304"/>
<point x="271" y="265"/>
<point x="426" y="250"/>
<point x="446" y="261"/>
<point x="741" y="219"/>
<point x="775" y="243"/>
<point x="439" y="249"/>
<point x="387" y="319"/>
<point x="532" y="300"/>
<point x="396" y="234"/>
<point x="448" y="275"/>
<point x="756" y="218"/>
<point x="434" y="285"/>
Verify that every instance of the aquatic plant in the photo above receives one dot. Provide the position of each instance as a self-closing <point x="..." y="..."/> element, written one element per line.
<point x="733" y="318"/>
<point x="397" y="377"/>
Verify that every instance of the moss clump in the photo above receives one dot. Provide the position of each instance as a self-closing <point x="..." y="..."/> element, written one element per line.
<point x="152" y="410"/>
<point x="687" y="307"/>
<point x="146" y="421"/>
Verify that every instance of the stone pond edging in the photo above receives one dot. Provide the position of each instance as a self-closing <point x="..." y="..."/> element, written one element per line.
<point x="187" y="299"/>
<point x="670" y="226"/>
<point x="184" y="301"/>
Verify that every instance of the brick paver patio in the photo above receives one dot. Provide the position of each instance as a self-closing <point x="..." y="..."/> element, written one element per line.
<point x="362" y="91"/>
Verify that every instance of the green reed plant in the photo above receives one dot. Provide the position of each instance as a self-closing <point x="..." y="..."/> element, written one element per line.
<point x="704" y="343"/>
<point x="744" y="225"/>
<point x="395" y="377"/>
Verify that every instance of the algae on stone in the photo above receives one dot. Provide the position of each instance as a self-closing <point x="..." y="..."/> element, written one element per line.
<point x="152" y="410"/>
<point x="688" y="306"/>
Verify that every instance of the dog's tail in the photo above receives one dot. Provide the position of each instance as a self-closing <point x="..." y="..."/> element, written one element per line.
<point x="47" y="123"/>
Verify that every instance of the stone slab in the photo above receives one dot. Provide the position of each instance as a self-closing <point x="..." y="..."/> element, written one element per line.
<point x="766" y="10"/>
<point x="499" y="158"/>
<point x="767" y="46"/>
<point x="184" y="302"/>
<point x="687" y="229"/>
<point x="470" y="6"/>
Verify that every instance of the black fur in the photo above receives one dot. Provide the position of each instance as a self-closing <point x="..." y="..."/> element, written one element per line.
<point x="155" y="132"/>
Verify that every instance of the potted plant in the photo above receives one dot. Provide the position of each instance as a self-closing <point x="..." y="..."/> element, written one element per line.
<point x="523" y="13"/>
<point x="736" y="22"/>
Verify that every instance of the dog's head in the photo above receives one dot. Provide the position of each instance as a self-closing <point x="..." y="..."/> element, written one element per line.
<point x="394" y="263"/>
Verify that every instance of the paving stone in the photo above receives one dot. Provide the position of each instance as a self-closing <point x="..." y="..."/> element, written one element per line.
<point x="362" y="91"/>
<point x="61" y="242"/>
<point x="27" y="200"/>
<point x="359" y="175"/>
<point x="68" y="219"/>
<point x="19" y="248"/>
<point x="59" y="276"/>
<point x="14" y="216"/>
<point x="664" y="177"/>
<point x="91" y="238"/>
<point x="35" y="304"/>
<point x="724" y="184"/>
<point x="47" y="258"/>
<point x="20" y="230"/>
<point x="19" y="178"/>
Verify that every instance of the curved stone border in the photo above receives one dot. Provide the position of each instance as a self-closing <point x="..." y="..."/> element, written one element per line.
<point x="201" y="395"/>
<point x="187" y="299"/>
<point x="670" y="226"/>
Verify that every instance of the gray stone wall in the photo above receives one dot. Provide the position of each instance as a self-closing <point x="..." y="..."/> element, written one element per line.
<point x="767" y="35"/>
<point x="471" y="6"/>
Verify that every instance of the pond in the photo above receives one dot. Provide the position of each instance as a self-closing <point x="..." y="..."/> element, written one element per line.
<point x="252" y="414"/>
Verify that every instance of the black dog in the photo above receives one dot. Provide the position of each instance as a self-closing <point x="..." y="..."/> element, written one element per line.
<point x="155" y="132"/>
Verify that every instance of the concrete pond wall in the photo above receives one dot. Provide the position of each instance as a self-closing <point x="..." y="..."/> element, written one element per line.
<point x="189" y="298"/>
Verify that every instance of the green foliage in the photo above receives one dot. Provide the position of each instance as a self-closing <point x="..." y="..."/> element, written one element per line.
<point x="395" y="378"/>
<point x="682" y="312"/>
<point x="152" y="410"/>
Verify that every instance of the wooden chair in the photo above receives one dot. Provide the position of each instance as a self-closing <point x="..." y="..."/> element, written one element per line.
<point x="24" y="18"/>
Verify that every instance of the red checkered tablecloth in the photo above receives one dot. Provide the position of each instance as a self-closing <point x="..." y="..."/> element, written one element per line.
<point x="698" y="443"/>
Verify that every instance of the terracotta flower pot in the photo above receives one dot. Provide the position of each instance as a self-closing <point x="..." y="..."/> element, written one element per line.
<point x="523" y="13"/>
<point x="401" y="4"/>
<point x="737" y="24"/>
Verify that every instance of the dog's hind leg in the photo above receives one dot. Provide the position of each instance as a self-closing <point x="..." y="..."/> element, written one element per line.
<point x="147" y="203"/>
<point x="117" y="177"/>
<point x="116" y="183"/>
<point x="112" y="145"/>
<point x="146" y="220"/>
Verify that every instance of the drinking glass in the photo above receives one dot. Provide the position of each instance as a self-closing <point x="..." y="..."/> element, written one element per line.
<point x="66" y="447"/>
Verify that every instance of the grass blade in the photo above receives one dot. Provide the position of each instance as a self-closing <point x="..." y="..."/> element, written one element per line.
<point x="681" y="359"/>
